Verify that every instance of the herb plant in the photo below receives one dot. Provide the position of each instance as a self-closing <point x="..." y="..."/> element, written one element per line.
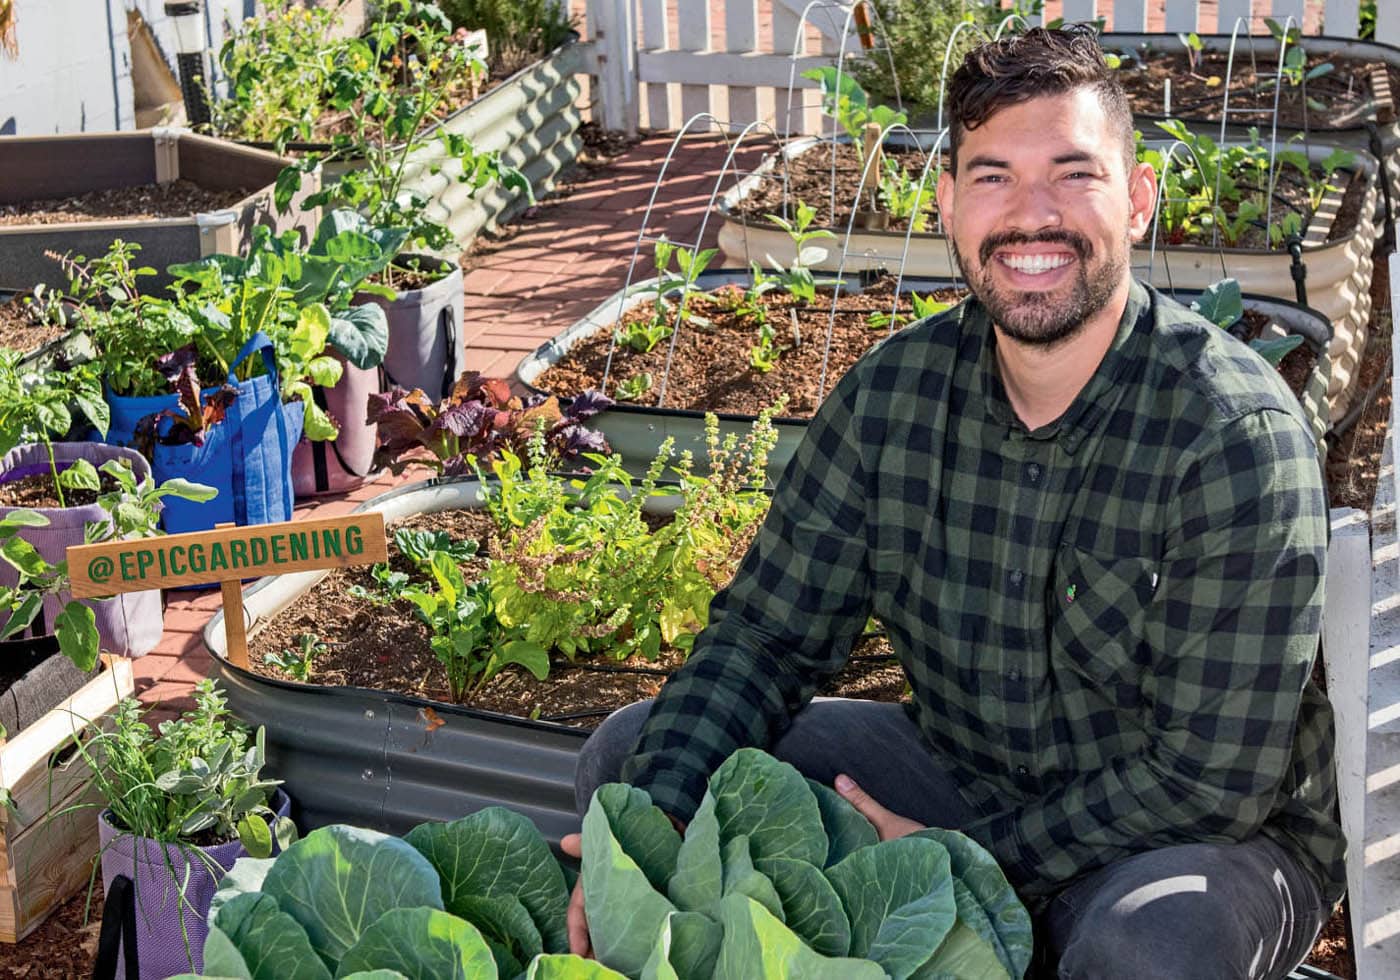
<point x="479" y="419"/>
<point x="202" y="778"/>
<point x="909" y="44"/>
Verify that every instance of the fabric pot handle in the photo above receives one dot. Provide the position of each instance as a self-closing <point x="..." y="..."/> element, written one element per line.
<point x="319" y="461"/>
<point x="258" y="342"/>
<point x="451" y="364"/>
<point x="118" y="929"/>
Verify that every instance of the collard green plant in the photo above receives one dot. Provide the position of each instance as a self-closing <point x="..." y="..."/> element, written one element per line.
<point x="779" y="876"/>
<point x="776" y="877"/>
<point x="478" y="420"/>
<point x="1222" y="304"/>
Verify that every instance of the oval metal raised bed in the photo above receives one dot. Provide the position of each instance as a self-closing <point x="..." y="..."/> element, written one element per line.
<point x="636" y="432"/>
<point x="1337" y="273"/>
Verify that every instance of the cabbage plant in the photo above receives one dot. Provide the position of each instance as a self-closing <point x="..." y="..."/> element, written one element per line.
<point x="775" y="877"/>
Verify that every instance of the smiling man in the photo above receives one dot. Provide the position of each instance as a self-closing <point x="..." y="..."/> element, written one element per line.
<point x="1094" y="527"/>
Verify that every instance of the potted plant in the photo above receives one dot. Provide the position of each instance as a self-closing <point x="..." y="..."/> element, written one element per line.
<point x="775" y="875"/>
<point x="179" y="810"/>
<point x="387" y="139"/>
<point x="236" y="322"/>
<point x="519" y="95"/>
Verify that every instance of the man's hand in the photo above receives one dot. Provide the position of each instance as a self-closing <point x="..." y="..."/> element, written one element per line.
<point x="888" y="825"/>
<point x="579" y="944"/>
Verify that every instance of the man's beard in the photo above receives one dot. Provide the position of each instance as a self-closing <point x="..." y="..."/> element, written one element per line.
<point x="1044" y="319"/>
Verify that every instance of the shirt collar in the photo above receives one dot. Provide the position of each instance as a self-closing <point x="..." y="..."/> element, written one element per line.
<point x="1097" y="396"/>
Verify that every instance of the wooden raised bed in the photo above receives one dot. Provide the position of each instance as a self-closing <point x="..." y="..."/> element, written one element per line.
<point x="48" y="167"/>
<point x="48" y="836"/>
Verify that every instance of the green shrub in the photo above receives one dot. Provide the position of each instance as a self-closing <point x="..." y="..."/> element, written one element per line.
<point x="518" y="31"/>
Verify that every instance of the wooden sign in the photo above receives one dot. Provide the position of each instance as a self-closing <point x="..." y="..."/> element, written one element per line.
<point x="228" y="554"/>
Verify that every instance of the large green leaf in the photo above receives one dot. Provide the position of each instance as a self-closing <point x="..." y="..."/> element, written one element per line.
<point x="811" y="907"/>
<point x="246" y="875"/>
<point x="698" y="881"/>
<point x="361" y="334"/>
<point x="422" y="944"/>
<point x="1221" y="302"/>
<point x="769" y="802"/>
<point x="337" y="881"/>
<point x="222" y="959"/>
<point x="497" y="853"/>
<point x="847" y="831"/>
<point x="625" y="913"/>
<point x="643" y="830"/>
<point x="566" y="966"/>
<point x="974" y="866"/>
<point x="741" y="877"/>
<point x="269" y="942"/>
<point x="76" y="629"/>
<point x="899" y="897"/>
<point x="757" y="946"/>
<point x="374" y="975"/>
<point x="685" y="948"/>
<point x="971" y="950"/>
<point x="507" y="926"/>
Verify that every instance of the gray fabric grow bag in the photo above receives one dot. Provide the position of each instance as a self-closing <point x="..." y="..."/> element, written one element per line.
<point x="375" y="759"/>
<point x="426" y="349"/>
<point x="637" y="432"/>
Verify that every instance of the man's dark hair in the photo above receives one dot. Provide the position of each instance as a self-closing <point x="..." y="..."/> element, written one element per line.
<point x="1039" y="62"/>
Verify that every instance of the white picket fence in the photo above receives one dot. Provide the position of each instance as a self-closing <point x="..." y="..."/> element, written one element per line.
<point x="657" y="64"/>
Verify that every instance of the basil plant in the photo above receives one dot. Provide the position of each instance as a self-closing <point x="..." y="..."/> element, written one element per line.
<point x="776" y="877"/>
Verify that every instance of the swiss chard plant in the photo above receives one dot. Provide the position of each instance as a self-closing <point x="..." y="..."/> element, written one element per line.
<point x="776" y="877"/>
<point x="478" y="420"/>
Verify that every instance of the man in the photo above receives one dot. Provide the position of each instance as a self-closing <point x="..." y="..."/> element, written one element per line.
<point x="1094" y="527"/>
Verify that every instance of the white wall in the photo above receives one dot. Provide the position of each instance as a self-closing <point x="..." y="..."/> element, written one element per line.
<point x="73" y="73"/>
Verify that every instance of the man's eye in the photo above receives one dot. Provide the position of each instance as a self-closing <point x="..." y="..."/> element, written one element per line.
<point x="1080" y="175"/>
<point x="991" y="179"/>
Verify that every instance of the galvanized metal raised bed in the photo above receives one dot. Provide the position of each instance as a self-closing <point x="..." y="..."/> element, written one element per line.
<point x="1338" y="273"/>
<point x="375" y="759"/>
<point x="532" y="119"/>
<point x="41" y="167"/>
<point x="637" y="432"/>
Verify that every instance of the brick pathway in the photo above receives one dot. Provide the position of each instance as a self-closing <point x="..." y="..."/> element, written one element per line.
<point x="560" y="261"/>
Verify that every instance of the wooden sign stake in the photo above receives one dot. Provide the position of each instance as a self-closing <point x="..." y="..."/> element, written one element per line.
<point x="228" y="554"/>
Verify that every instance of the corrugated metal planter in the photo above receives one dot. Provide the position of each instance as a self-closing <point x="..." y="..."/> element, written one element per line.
<point x="39" y="167"/>
<point x="1338" y="272"/>
<point x="1362" y="130"/>
<point x="637" y="432"/>
<point x="381" y="760"/>
<point x="531" y="118"/>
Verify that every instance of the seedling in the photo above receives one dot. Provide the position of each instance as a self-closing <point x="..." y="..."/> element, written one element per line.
<point x="643" y="335"/>
<point x="797" y="279"/>
<point x="905" y="198"/>
<point x="296" y="664"/>
<point x="635" y="387"/>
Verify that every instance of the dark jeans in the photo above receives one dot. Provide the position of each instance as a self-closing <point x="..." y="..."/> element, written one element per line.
<point x="1194" y="911"/>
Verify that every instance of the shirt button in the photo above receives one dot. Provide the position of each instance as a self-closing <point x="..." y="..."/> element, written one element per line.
<point x="1033" y="472"/>
<point x="1022" y="771"/>
<point x="1014" y="675"/>
<point x="1016" y="576"/>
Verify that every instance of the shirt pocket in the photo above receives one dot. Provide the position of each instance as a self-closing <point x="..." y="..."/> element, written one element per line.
<point x="1099" y="608"/>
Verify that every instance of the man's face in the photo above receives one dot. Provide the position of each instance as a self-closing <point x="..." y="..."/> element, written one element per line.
<point x="1043" y="214"/>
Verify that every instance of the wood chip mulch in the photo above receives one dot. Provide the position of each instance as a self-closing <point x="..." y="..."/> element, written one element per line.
<point x="177" y="199"/>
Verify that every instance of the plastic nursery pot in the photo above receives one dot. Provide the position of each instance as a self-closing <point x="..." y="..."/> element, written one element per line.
<point x="426" y="348"/>
<point x="637" y="432"/>
<point x="129" y="625"/>
<point x="173" y="886"/>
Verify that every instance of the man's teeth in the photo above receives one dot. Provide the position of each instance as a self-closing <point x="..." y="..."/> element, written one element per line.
<point x="1035" y="264"/>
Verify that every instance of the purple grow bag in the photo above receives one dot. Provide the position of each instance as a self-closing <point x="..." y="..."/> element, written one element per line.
<point x="129" y="625"/>
<point x="157" y="872"/>
<point x="345" y="462"/>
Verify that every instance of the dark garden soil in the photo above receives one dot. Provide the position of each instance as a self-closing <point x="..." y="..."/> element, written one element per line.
<point x="711" y="370"/>
<point x="1296" y="365"/>
<point x="38" y="491"/>
<point x="18" y="331"/>
<point x="359" y="637"/>
<point x="408" y="275"/>
<point x="177" y="199"/>
<point x="809" y="180"/>
<point x="1344" y="92"/>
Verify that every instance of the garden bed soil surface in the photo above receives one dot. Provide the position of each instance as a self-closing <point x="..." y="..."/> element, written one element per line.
<point x="360" y="636"/>
<point x="19" y="332"/>
<point x="809" y="178"/>
<point x="710" y="370"/>
<point x="1343" y="91"/>
<point x="1296" y="365"/>
<point x="38" y="491"/>
<point x="176" y="199"/>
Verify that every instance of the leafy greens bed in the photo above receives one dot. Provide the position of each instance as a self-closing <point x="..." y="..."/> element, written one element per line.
<point x="775" y="877"/>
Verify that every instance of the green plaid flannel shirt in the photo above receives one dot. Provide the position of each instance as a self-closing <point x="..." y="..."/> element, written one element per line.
<point x="1108" y="623"/>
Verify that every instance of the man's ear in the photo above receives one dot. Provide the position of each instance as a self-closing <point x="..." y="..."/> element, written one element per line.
<point x="1142" y="194"/>
<point x="945" y="197"/>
